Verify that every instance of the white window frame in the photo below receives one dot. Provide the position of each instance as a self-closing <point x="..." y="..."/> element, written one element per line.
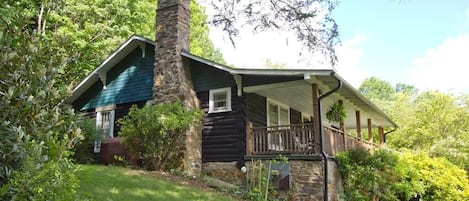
<point x="99" y="114"/>
<point x="211" y="105"/>
<point x="271" y="145"/>
<point x="279" y="105"/>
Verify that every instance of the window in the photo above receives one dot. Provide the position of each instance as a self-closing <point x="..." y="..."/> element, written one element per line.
<point x="278" y="118"/>
<point x="277" y="114"/>
<point x="104" y="122"/>
<point x="219" y="100"/>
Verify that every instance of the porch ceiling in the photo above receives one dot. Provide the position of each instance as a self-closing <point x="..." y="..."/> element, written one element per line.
<point x="353" y="96"/>
<point x="298" y="95"/>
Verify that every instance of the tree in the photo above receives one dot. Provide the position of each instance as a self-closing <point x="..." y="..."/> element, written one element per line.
<point x="36" y="132"/>
<point x="431" y="121"/>
<point x="405" y="88"/>
<point x="376" y="89"/>
<point x="311" y="20"/>
<point x="90" y="30"/>
<point x="434" y="122"/>
<point x="95" y="28"/>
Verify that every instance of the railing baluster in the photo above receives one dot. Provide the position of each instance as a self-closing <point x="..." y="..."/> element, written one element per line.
<point x="284" y="139"/>
<point x="289" y="136"/>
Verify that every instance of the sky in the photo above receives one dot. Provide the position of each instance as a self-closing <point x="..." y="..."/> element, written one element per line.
<point x="424" y="43"/>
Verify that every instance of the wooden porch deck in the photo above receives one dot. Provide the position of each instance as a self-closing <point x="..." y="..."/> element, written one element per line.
<point x="300" y="139"/>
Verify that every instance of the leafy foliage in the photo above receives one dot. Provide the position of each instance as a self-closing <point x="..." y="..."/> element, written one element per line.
<point x="386" y="175"/>
<point x="156" y="133"/>
<point x="93" y="29"/>
<point x="369" y="176"/>
<point x="375" y="88"/>
<point x="259" y="180"/>
<point x="336" y="113"/>
<point x="83" y="149"/>
<point x="37" y="131"/>
<point x="439" y="179"/>
<point x="431" y="121"/>
<point x="88" y="31"/>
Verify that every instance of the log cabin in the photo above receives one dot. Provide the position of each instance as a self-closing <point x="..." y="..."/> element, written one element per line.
<point x="249" y="114"/>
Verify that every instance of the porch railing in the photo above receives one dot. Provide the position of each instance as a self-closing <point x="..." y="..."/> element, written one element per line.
<point x="287" y="139"/>
<point x="300" y="139"/>
<point x="336" y="140"/>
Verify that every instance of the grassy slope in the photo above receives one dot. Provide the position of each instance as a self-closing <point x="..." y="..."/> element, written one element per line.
<point x="110" y="183"/>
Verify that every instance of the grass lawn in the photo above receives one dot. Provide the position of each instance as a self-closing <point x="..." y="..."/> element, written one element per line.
<point x="110" y="183"/>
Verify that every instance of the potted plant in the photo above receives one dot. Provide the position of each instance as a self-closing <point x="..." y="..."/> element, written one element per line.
<point x="336" y="113"/>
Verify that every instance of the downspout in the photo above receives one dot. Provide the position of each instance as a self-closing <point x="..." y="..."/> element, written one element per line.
<point x="384" y="135"/>
<point x="321" y="133"/>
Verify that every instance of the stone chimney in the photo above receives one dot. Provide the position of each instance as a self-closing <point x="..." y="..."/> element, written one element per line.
<point x="172" y="79"/>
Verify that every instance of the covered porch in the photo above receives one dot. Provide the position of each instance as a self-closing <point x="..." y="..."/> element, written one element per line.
<point x="298" y="139"/>
<point x="363" y="126"/>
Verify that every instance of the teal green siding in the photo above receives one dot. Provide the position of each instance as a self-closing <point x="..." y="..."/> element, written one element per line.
<point x="206" y="77"/>
<point x="131" y="80"/>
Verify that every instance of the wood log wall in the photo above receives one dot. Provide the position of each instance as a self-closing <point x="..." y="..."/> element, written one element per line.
<point x="256" y="109"/>
<point x="223" y="133"/>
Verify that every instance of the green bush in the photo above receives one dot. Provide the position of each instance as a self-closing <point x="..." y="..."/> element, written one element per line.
<point x="83" y="149"/>
<point x="156" y="133"/>
<point x="387" y="175"/>
<point x="36" y="131"/>
<point x="437" y="178"/>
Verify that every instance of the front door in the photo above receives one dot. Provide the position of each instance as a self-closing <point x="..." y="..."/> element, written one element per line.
<point x="278" y="119"/>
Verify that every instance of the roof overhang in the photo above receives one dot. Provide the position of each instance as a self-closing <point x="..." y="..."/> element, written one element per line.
<point x="257" y="71"/>
<point x="353" y="96"/>
<point x="324" y="76"/>
<point x="128" y="46"/>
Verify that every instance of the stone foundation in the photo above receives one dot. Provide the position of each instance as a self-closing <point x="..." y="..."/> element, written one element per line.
<point x="306" y="180"/>
<point x="225" y="171"/>
<point x="306" y="177"/>
<point x="335" y="181"/>
<point x="193" y="151"/>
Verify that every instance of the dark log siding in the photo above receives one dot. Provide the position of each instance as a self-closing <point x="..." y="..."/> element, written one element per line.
<point x="256" y="109"/>
<point x="121" y="111"/>
<point x="223" y="133"/>
<point x="295" y="116"/>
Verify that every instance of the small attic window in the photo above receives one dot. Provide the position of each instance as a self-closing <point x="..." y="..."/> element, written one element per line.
<point x="219" y="100"/>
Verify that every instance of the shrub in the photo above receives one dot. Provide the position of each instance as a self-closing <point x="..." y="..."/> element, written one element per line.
<point x="156" y="133"/>
<point x="436" y="178"/>
<point x="83" y="149"/>
<point x="386" y="175"/>
<point x="36" y="131"/>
